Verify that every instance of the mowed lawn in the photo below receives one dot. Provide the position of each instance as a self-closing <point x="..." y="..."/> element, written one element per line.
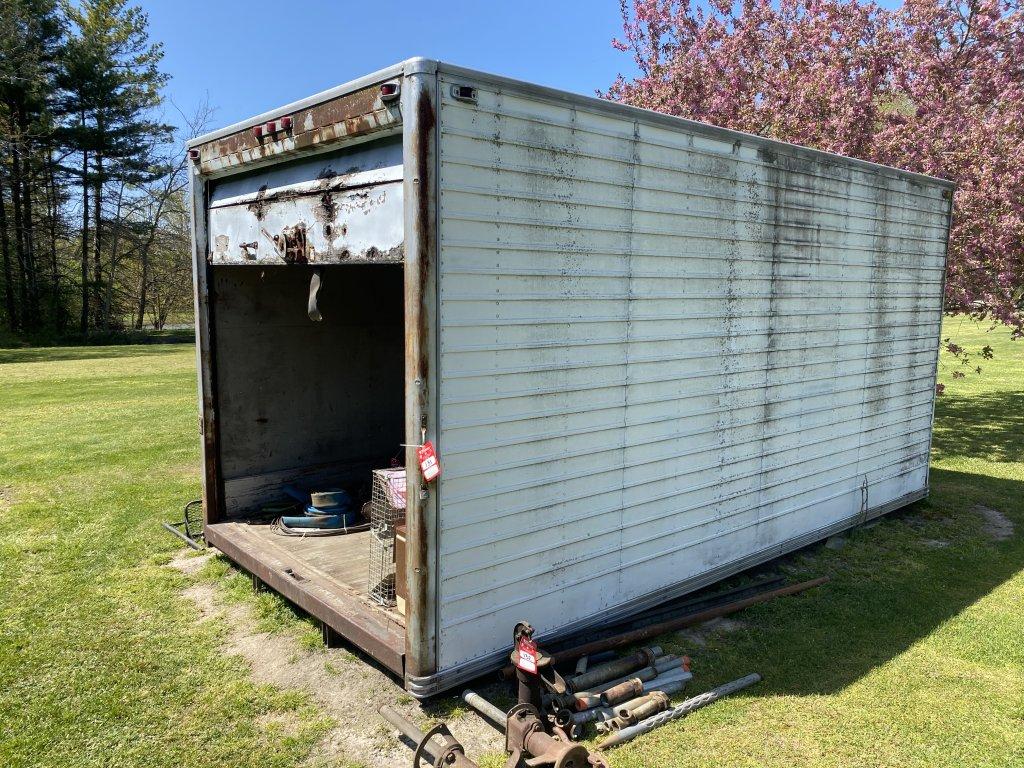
<point x="913" y="655"/>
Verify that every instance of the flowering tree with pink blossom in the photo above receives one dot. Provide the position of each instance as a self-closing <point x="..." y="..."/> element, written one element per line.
<point x="936" y="87"/>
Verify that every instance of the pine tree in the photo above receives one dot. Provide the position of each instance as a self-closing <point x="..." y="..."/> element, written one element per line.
<point x="30" y="37"/>
<point x="111" y="81"/>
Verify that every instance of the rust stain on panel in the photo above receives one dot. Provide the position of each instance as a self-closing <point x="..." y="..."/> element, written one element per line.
<point x="354" y="114"/>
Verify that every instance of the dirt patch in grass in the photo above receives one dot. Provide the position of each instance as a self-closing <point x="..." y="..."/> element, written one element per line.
<point x="996" y="525"/>
<point x="702" y="634"/>
<point x="346" y="686"/>
<point x="283" y="723"/>
<point x="6" y="497"/>
<point x="189" y="562"/>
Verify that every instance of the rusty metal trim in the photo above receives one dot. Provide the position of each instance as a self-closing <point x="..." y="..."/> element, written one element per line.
<point x="357" y="115"/>
<point x="419" y="151"/>
<point x="213" y="483"/>
<point x="430" y="685"/>
<point x="343" y="613"/>
<point x="317" y="98"/>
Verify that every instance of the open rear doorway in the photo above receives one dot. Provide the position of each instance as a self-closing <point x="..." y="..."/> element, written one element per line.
<point x="306" y="405"/>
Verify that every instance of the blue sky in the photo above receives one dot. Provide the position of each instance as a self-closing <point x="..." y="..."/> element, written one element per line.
<point x="249" y="56"/>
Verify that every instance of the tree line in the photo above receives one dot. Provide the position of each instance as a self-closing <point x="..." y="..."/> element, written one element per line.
<point x="94" y="234"/>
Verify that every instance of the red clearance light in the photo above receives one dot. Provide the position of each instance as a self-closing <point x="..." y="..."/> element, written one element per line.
<point x="389" y="91"/>
<point x="286" y="123"/>
<point x="193" y="154"/>
<point x="258" y="131"/>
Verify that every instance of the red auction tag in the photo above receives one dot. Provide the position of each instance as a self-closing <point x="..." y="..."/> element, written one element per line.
<point x="429" y="465"/>
<point x="526" y="655"/>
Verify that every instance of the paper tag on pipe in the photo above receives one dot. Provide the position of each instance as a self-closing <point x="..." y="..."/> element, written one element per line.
<point x="526" y="655"/>
<point x="429" y="465"/>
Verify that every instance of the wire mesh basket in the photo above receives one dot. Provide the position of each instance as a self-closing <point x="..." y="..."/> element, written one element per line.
<point x="387" y="509"/>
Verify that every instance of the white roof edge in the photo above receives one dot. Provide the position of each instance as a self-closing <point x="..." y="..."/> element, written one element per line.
<point x="421" y="64"/>
<point x="614" y="107"/>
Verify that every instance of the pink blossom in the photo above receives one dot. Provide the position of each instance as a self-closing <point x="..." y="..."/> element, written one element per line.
<point x="936" y="87"/>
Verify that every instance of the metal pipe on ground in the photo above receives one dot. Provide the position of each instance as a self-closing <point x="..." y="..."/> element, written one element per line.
<point x="671" y="687"/>
<point x="678" y="608"/>
<point x="688" y="706"/>
<point x="485" y="708"/>
<point x="621" y="693"/>
<point x="662" y="665"/>
<point x="631" y="687"/>
<point x="188" y="541"/>
<point x="634" y="711"/>
<point x="447" y="752"/>
<point x="645" y="657"/>
<point x="689" y="620"/>
<point x="595" y="714"/>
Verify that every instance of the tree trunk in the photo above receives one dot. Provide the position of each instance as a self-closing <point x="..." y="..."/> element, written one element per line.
<point x="57" y="316"/>
<point x="115" y="242"/>
<point x="19" y="226"/>
<point x="12" y="307"/>
<point x="85" y="240"/>
<point x="143" y="285"/>
<point x="30" y="309"/>
<point x="97" y="260"/>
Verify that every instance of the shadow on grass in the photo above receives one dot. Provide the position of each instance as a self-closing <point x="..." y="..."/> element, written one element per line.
<point x="54" y="354"/>
<point x="989" y="426"/>
<point x="893" y="583"/>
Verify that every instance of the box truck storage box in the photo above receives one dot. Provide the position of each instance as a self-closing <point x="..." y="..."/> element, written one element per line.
<point x="648" y="353"/>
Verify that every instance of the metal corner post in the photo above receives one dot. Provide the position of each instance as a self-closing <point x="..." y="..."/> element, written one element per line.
<point x="213" y="503"/>
<point x="419" y="139"/>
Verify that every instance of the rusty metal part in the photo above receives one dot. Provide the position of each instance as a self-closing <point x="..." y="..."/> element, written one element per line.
<point x="662" y="665"/>
<point x="645" y="657"/>
<point x="655" y="703"/>
<point x="419" y="193"/>
<point x="670" y="687"/>
<point x="213" y="483"/>
<point x="591" y="715"/>
<point x="529" y="744"/>
<point x="633" y="705"/>
<point x="688" y="706"/>
<point x="292" y="244"/>
<point x="351" y="115"/>
<point x="623" y="692"/>
<point x="635" y="710"/>
<point x="443" y="752"/>
<point x="692" y="619"/>
<point x="583" y="701"/>
<point x="546" y="686"/>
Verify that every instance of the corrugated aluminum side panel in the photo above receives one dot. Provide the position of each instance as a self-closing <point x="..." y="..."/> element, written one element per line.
<point x="662" y="350"/>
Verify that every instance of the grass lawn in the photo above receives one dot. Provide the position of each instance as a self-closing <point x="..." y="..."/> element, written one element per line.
<point x="912" y="656"/>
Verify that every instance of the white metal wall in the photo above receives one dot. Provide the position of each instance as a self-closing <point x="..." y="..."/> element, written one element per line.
<point x="662" y="351"/>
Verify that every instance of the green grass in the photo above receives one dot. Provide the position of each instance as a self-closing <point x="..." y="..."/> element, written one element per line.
<point x="101" y="662"/>
<point x="912" y="656"/>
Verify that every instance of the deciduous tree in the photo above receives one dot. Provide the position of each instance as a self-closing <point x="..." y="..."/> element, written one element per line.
<point x="935" y="86"/>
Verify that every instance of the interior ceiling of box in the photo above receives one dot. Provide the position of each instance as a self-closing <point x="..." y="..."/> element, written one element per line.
<point x="302" y="401"/>
<point x="337" y="207"/>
